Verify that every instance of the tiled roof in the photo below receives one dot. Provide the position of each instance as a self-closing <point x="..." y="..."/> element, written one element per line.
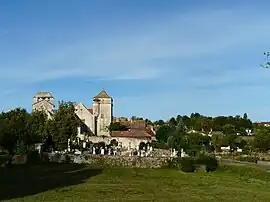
<point x="102" y="94"/>
<point x="43" y="94"/>
<point x="90" y="110"/>
<point x="264" y="123"/>
<point x="140" y="134"/>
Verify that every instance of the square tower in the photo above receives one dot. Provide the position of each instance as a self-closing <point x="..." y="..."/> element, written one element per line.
<point x="43" y="101"/>
<point x="103" y="113"/>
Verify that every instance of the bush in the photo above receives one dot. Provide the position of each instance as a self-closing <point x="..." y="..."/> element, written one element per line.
<point x="212" y="164"/>
<point x="187" y="164"/>
<point x="252" y="159"/>
<point x="209" y="161"/>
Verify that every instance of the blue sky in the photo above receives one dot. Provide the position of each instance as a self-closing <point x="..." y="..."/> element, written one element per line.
<point x="156" y="58"/>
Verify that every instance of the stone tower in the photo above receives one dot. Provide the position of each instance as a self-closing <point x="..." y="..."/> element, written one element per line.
<point x="103" y="113"/>
<point x="43" y="101"/>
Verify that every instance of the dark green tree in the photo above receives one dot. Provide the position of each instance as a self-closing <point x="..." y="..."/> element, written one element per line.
<point x="164" y="132"/>
<point x="15" y="129"/>
<point x="64" y="125"/>
<point x="262" y="139"/>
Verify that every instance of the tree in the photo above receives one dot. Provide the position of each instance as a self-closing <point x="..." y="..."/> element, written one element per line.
<point x="39" y="127"/>
<point x="228" y="129"/>
<point x="15" y="129"/>
<point x="218" y="140"/>
<point x="64" y="125"/>
<point x="241" y="143"/>
<point x="173" y="121"/>
<point x="171" y="142"/>
<point x="164" y="132"/>
<point x="262" y="139"/>
<point x="159" y="123"/>
<point x="195" y="143"/>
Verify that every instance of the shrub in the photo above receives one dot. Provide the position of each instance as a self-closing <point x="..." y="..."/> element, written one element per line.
<point x="210" y="162"/>
<point x="187" y="164"/>
<point x="252" y="159"/>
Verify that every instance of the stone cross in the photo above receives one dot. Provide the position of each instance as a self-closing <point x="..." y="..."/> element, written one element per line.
<point x="109" y="151"/>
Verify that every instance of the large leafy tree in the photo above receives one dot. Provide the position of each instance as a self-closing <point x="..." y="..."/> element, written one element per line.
<point x="39" y="127"/>
<point x="196" y="142"/>
<point x="64" y="125"/>
<point x="164" y="132"/>
<point x="262" y="139"/>
<point x="15" y="129"/>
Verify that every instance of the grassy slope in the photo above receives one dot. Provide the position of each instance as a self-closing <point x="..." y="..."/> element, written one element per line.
<point x="79" y="183"/>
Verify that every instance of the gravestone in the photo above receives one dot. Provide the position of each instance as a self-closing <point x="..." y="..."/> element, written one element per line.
<point x="102" y="151"/>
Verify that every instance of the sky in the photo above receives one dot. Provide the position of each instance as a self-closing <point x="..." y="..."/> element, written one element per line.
<point x="156" y="58"/>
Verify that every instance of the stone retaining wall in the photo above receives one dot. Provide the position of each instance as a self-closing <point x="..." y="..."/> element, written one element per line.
<point x="120" y="161"/>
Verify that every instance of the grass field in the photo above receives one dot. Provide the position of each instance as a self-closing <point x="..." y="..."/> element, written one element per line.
<point x="82" y="183"/>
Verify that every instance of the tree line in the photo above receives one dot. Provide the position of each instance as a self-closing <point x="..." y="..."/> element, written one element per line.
<point x="197" y="132"/>
<point x="20" y="130"/>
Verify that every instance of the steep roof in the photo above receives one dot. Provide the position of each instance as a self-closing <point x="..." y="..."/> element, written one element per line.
<point x="102" y="94"/>
<point x="43" y="94"/>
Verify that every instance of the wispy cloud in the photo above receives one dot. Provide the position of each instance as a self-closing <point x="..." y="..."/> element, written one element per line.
<point x="132" y="56"/>
<point x="197" y="60"/>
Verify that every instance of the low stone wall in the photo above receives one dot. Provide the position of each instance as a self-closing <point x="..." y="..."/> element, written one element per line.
<point x="120" y="161"/>
<point x="126" y="142"/>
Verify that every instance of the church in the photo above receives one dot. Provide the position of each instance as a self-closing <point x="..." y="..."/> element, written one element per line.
<point x="98" y="118"/>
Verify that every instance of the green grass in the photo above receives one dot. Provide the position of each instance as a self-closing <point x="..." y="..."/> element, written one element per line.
<point x="83" y="183"/>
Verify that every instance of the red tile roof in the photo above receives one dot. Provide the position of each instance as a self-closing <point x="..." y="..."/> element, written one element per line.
<point x="140" y="134"/>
